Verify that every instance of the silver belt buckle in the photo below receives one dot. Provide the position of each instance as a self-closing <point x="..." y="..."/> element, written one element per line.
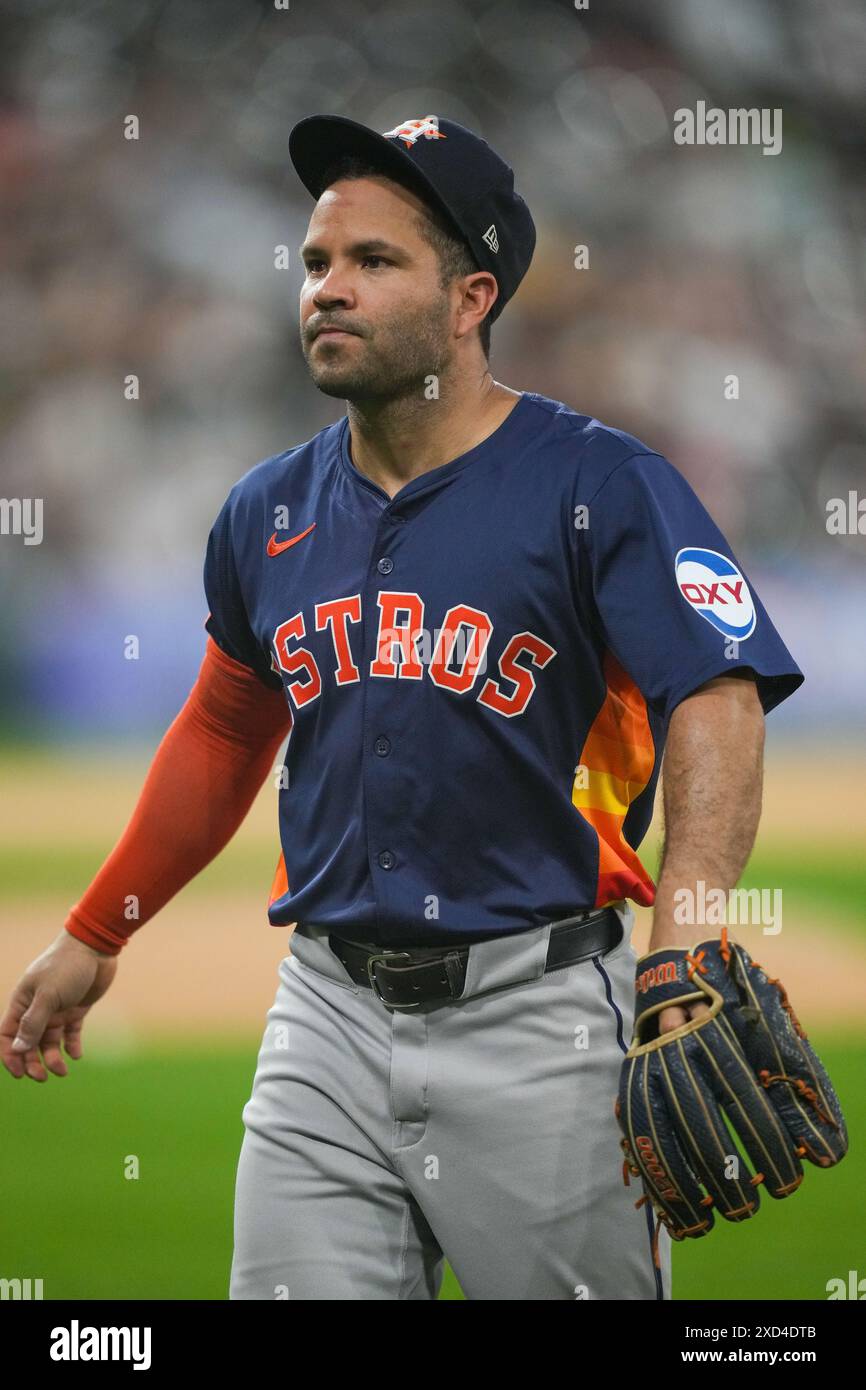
<point x="383" y="956"/>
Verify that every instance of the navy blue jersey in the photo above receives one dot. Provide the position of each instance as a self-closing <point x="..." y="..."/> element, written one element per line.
<point x="480" y="670"/>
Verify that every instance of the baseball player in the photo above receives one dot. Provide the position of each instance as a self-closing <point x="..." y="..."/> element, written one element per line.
<point x="481" y="617"/>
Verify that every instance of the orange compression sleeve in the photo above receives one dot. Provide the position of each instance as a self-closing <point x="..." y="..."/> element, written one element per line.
<point x="204" y="777"/>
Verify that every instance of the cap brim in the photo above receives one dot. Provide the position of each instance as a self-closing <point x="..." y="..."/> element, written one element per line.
<point x="316" y="141"/>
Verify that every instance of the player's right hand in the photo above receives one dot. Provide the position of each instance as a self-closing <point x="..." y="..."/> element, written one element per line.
<point x="48" y="1006"/>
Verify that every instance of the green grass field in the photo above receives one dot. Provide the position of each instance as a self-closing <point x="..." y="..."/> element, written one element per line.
<point x="72" y="1219"/>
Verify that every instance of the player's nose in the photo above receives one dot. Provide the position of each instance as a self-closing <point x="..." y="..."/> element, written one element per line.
<point x="335" y="287"/>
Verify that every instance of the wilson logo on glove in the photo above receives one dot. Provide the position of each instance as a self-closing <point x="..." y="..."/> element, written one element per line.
<point x="648" y="1154"/>
<point x="663" y="974"/>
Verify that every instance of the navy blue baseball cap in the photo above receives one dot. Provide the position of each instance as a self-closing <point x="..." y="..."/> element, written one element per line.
<point x="448" y="166"/>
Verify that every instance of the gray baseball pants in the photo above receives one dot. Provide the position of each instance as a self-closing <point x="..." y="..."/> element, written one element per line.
<point x="481" y="1130"/>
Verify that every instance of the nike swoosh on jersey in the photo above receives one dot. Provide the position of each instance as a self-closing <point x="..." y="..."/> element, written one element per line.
<point x="275" y="546"/>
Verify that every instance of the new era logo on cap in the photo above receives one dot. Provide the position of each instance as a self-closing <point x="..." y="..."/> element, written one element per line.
<point x="491" y="238"/>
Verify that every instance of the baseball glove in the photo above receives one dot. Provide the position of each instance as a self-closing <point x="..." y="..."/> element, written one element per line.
<point x="749" y="1058"/>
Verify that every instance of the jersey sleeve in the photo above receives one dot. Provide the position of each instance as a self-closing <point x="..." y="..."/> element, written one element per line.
<point x="207" y="771"/>
<point x="667" y="594"/>
<point x="227" y="621"/>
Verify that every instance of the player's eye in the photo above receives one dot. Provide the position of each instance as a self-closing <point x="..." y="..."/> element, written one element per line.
<point x="380" y="259"/>
<point x="311" y="265"/>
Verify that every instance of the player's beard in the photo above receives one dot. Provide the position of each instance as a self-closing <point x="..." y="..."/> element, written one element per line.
<point x="391" y="360"/>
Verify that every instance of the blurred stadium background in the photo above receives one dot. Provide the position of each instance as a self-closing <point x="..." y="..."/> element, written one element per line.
<point x="155" y="257"/>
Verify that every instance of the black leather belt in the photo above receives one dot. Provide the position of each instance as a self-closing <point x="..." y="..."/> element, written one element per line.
<point x="407" y="979"/>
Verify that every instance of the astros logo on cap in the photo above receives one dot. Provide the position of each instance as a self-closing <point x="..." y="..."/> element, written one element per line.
<point x="712" y="584"/>
<point x="410" y="131"/>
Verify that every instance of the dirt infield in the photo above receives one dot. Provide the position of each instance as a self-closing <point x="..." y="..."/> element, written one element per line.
<point x="205" y="968"/>
<point x="808" y="792"/>
<point x="207" y="963"/>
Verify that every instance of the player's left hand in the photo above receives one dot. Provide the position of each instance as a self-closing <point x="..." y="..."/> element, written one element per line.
<point x="677" y="1016"/>
<point x="714" y="1033"/>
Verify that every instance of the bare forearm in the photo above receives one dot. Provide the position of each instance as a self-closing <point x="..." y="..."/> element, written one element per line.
<point x="712" y="780"/>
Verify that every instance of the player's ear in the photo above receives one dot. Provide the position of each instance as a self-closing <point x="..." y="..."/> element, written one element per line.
<point x="478" y="293"/>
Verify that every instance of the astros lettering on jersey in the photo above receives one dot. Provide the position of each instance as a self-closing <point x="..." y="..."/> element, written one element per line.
<point x="480" y="670"/>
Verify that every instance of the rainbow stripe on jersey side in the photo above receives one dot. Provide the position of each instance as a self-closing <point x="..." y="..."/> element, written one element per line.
<point x="615" y="765"/>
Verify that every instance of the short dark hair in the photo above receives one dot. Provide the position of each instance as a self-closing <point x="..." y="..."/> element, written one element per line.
<point x="452" y="250"/>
